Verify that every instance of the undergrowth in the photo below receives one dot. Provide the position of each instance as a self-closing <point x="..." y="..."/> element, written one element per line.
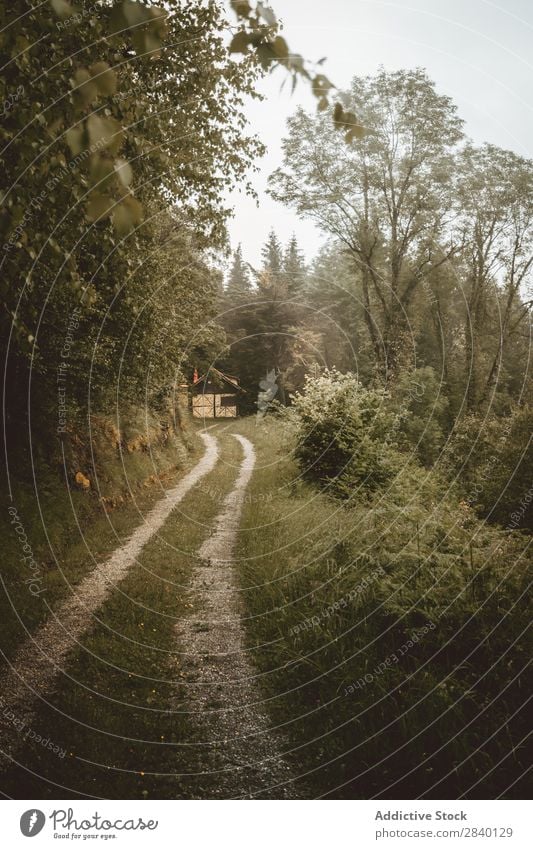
<point x="390" y="633"/>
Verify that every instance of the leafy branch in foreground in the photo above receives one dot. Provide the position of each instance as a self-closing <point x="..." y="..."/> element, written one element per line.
<point x="260" y="32"/>
<point x="96" y="137"/>
<point x="92" y="126"/>
<point x="147" y="31"/>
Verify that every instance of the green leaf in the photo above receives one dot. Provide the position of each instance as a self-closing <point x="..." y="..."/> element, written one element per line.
<point x="355" y="132"/>
<point x="99" y="206"/>
<point x="151" y="45"/>
<point x="124" y="172"/>
<point x="85" y="90"/>
<point x="127" y="215"/>
<point x="265" y="54"/>
<point x="74" y="137"/>
<point x="62" y="8"/>
<point x="104" y="77"/>
<point x="297" y="62"/>
<point x="349" y="119"/>
<point x="134" y="13"/>
<point x="321" y="85"/>
<point x="102" y="169"/>
<point x="241" y="8"/>
<point x="239" y="42"/>
<point x="158" y="22"/>
<point x="280" y="47"/>
<point x="338" y="115"/>
<point x="267" y="14"/>
<point x="104" y="133"/>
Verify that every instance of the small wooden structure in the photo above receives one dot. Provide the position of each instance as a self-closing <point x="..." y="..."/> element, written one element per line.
<point x="215" y="395"/>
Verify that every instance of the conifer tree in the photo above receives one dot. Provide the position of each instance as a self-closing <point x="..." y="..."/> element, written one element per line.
<point x="238" y="283"/>
<point x="293" y="265"/>
<point x="272" y="254"/>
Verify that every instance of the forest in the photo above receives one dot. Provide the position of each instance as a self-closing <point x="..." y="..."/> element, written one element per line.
<point x="387" y="388"/>
<point x="422" y="292"/>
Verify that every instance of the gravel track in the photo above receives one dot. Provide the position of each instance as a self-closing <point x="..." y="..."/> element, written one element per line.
<point x="239" y="754"/>
<point x="41" y="659"/>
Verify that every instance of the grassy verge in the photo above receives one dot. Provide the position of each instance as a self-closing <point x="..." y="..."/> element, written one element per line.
<point x="390" y="636"/>
<point x="112" y="710"/>
<point x="53" y="534"/>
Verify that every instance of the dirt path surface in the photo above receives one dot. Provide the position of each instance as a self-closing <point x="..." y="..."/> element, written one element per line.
<point x="237" y="753"/>
<point x="42" y="657"/>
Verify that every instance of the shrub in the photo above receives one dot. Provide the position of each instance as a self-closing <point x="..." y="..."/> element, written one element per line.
<point x="492" y="459"/>
<point x="421" y="405"/>
<point x="344" y="434"/>
<point x="390" y="635"/>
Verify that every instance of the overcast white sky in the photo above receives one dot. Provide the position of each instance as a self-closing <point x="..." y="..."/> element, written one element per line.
<point x="477" y="51"/>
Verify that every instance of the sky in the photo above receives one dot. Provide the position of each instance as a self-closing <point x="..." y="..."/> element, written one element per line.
<point x="477" y="51"/>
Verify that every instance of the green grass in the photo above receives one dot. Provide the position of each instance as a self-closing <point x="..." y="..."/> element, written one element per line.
<point x="334" y="592"/>
<point x="69" y="531"/>
<point x="112" y="710"/>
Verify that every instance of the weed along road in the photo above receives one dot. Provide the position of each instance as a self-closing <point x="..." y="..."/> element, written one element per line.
<point x="237" y="644"/>
<point x="148" y="656"/>
<point x="42" y="657"/>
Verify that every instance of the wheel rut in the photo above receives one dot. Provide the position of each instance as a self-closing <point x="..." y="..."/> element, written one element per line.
<point x="42" y="658"/>
<point x="237" y="753"/>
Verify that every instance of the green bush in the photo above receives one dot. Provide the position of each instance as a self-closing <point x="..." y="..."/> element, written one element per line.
<point x="420" y="405"/>
<point x="345" y="435"/>
<point x="390" y="634"/>
<point x="492" y="459"/>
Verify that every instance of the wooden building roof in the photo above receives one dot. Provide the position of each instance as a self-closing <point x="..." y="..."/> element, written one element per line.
<point x="215" y="381"/>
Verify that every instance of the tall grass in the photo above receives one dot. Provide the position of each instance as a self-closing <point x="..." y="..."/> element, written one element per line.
<point x="118" y="710"/>
<point x="70" y="529"/>
<point x="390" y="635"/>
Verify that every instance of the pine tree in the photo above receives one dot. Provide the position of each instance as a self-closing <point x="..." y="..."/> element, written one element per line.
<point x="293" y="266"/>
<point x="262" y="333"/>
<point x="272" y="254"/>
<point x="238" y="283"/>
